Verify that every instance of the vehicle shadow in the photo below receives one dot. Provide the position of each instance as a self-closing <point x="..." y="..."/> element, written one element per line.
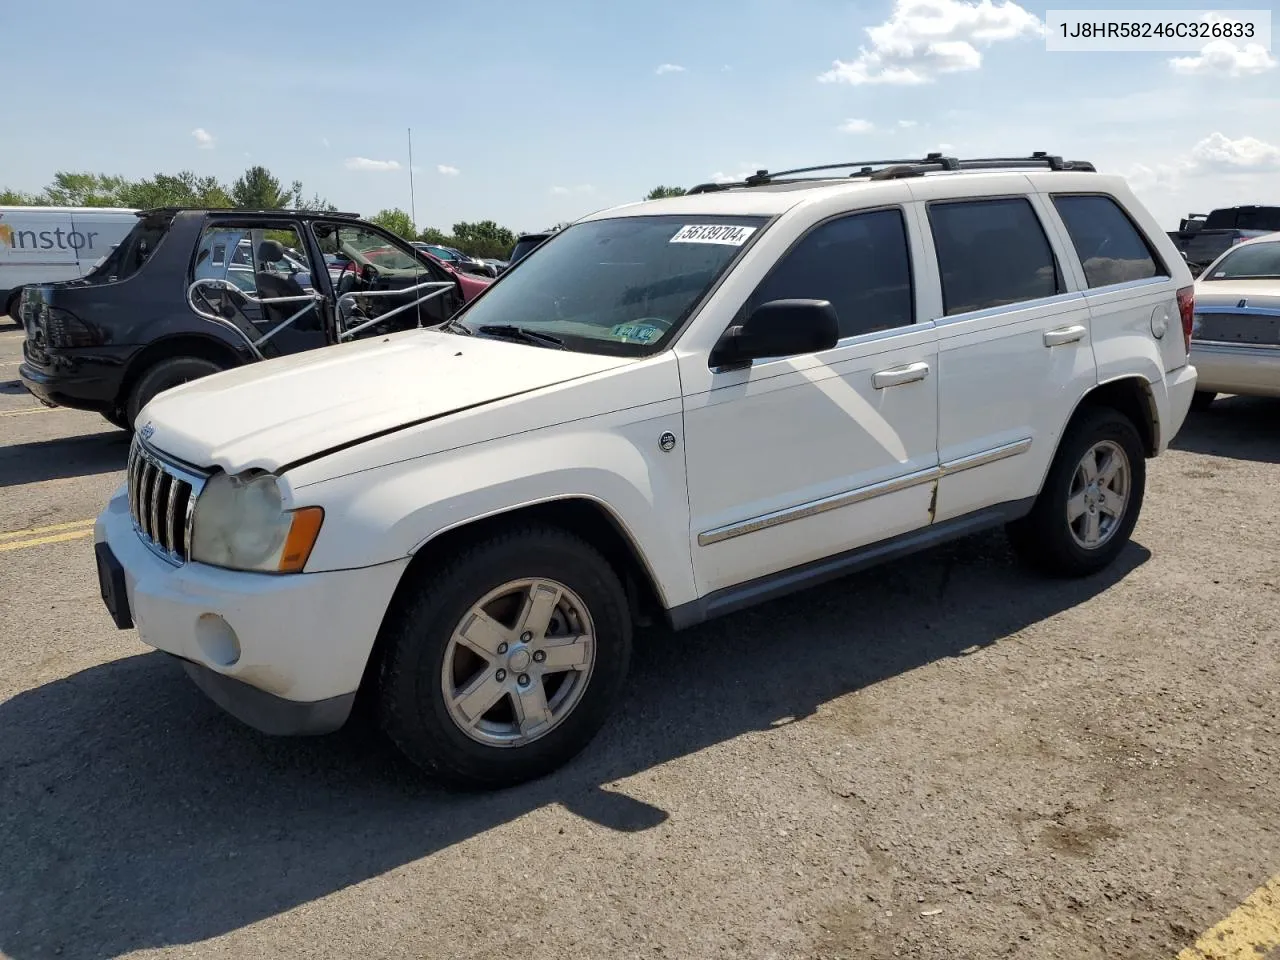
<point x="138" y="816"/>
<point x="1242" y="428"/>
<point x="12" y="388"/>
<point x="82" y="456"/>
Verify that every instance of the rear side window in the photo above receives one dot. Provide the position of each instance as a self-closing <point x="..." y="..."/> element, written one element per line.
<point x="860" y="263"/>
<point x="1111" y="248"/>
<point x="992" y="253"/>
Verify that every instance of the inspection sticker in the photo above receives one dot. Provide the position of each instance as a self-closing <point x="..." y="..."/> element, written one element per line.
<point x="723" y="233"/>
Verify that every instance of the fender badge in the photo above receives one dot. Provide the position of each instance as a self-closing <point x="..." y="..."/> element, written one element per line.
<point x="667" y="442"/>
<point x="1242" y="304"/>
<point x="148" y="430"/>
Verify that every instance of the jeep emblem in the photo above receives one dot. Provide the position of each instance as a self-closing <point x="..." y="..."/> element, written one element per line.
<point x="1242" y="304"/>
<point x="148" y="430"/>
<point x="667" y="441"/>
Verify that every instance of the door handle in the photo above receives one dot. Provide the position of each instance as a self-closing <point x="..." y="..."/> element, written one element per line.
<point x="1055" y="338"/>
<point x="896" y="376"/>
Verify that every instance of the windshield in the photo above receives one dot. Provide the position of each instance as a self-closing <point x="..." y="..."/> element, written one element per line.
<point x="620" y="286"/>
<point x="1258" y="261"/>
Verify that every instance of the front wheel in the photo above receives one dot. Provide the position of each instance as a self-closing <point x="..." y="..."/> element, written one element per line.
<point x="507" y="661"/>
<point x="1091" y="498"/>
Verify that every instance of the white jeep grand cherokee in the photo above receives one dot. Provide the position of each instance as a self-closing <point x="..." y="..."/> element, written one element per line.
<point x="684" y="406"/>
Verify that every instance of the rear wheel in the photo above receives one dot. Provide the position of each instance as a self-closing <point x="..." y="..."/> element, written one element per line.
<point x="11" y="306"/>
<point x="508" y="660"/>
<point x="1091" y="498"/>
<point x="1201" y="399"/>
<point x="164" y="375"/>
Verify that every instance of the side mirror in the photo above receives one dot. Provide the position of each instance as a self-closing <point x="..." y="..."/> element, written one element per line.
<point x="779" y="328"/>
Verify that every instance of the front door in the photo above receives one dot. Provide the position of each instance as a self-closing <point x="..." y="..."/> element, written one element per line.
<point x="380" y="270"/>
<point x="797" y="459"/>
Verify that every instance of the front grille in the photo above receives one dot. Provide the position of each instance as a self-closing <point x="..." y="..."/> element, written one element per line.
<point x="162" y="499"/>
<point x="1243" y="327"/>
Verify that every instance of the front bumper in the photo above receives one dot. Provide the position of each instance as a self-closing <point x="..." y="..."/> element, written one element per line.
<point x="282" y="653"/>
<point x="1253" y="370"/>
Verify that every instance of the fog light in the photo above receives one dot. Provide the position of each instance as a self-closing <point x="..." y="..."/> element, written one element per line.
<point x="218" y="642"/>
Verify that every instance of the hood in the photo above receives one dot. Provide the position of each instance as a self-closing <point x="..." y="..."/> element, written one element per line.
<point x="1264" y="294"/>
<point x="275" y="412"/>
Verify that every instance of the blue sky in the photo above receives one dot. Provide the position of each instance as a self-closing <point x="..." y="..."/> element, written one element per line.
<point x="531" y="113"/>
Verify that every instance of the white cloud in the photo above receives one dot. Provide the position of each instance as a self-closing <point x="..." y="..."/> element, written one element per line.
<point x="1222" y="58"/>
<point x="204" y="139"/>
<point x="744" y="170"/>
<point x="580" y="188"/>
<point x="906" y="124"/>
<point x="325" y="142"/>
<point x="377" y="166"/>
<point x="857" y="126"/>
<point x="726" y="68"/>
<point x="1219" y="152"/>
<point x="924" y="38"/>
<point x="669" y="68"/>
<point x="445" y="170"/>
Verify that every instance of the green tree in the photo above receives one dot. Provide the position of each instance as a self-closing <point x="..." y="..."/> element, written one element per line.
<point x="84" y="190"/>
<point x="184" y="189"/>
<point x="16" y="198"/>
<point x="483" y="239"/>
<point x="397" y="221"/>
<point x="661" y="193"/>
<point x="258" y="189"/>
<point x="436" y="236"/>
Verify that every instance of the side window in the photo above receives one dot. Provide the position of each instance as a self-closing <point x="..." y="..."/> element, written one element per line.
<point x="992" y="253"/>
<point x="358" y="245"/>
<point x="860" y="263"/>
<point x="1111" y="248"/>
<point x="263" y="262"/>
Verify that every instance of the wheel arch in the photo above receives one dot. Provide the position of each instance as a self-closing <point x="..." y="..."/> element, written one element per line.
<point x="579" y="514"/>
<point x="178" y="345"/>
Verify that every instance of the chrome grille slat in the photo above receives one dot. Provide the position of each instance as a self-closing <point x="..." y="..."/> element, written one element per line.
<point x="162" y="499"/>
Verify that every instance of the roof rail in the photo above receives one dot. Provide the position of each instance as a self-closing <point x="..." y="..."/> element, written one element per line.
<point x="302" y="214"/>
<point x="895" y="169"/>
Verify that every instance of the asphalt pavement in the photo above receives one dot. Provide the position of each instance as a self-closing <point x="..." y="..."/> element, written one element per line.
<point x="947" y="757"/>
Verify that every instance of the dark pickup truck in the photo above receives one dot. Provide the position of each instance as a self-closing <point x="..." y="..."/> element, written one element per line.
<point x="1202" y="238"/>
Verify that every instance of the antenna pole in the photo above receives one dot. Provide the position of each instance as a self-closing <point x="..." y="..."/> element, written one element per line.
<point x="413" y="211"/>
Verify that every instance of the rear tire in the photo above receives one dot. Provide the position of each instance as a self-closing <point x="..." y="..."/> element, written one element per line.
<point x="1201" y="399"/>
<point x="1090" y="501"/>
<point x="536" y="697"/>
<point x="165" y="375"/>
<point x="11" y="306"/>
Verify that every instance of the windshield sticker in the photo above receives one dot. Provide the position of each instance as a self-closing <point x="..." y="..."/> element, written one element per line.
<point x="721" y="233"/>
<point x="638" y="332"/>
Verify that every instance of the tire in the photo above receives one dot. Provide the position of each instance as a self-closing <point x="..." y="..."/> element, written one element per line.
<point x="116" y="419"/>
<point x="163" y="376"/>
<point x="420" y="639"/>
<point x="11" y="306"/>
<point x="1046" y="538"/>
<point x="1201" y="399"/>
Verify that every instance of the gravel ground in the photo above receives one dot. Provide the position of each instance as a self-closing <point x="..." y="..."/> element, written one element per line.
<point x="943" y="758"/>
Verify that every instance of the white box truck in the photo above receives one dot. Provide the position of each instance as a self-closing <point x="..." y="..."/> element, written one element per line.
<point x="46" y="244"/>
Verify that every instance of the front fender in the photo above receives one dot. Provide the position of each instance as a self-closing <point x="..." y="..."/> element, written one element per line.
<point x="379" y="515"/>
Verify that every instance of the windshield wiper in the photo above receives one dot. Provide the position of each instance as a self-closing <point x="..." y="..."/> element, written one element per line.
<point x="523" y="334"/>
<point x="456" y="326"/>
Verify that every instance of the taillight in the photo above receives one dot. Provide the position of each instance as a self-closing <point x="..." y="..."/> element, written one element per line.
<point x="1187" y="310"/>
<point x="64" y="329"/>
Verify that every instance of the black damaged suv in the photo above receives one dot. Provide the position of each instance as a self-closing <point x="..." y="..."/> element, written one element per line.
<point x="191" y="292"/>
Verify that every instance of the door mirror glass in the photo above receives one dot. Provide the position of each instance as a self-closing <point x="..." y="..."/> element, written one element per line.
<point x="779" y="328"/>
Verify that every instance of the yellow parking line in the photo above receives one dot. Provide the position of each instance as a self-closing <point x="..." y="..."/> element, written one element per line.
<point x="51" y="528"/>
<point x="1251" y="930"/>
<point x="38" y="541"/>
<point x="23" y="413"/>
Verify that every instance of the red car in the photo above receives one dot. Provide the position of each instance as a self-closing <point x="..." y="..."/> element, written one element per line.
<point x="471" y="284"/>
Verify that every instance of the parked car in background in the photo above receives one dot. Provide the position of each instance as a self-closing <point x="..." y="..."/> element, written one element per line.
<point x="457" y="259"/>
<point x="1235" y="336"/>
<point x="50" y="244"/>
<point x="525" y="244"/>
<point x="137" y="326"/>
<point x="498" y="265"/>
<point x="676" y="408"/>
<point x="472" y="284"/>
<point x="1202" y="238"/>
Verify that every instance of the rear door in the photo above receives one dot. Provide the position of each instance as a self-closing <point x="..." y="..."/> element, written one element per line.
<point x="1013" y="342"/>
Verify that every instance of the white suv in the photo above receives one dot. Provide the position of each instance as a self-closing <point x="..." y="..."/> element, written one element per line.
<point x="684" y="406"/>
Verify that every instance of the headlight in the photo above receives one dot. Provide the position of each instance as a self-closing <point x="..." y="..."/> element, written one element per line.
<point x="240" y="522"/>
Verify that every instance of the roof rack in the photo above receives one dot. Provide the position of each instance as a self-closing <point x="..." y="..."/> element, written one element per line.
<point x="300" y="214"/>
<point x="896" y="169"/>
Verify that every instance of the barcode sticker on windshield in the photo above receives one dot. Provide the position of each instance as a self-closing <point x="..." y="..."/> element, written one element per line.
<point x="714" y="233"/>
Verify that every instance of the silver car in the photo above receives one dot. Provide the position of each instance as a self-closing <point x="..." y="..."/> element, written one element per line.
<point x="1235" y="335"/>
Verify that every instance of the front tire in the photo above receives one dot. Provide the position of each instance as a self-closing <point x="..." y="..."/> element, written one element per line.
<point x="164" y="375"/>
<point x="1090" y="501"/>
<point x="505" y="662"/>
